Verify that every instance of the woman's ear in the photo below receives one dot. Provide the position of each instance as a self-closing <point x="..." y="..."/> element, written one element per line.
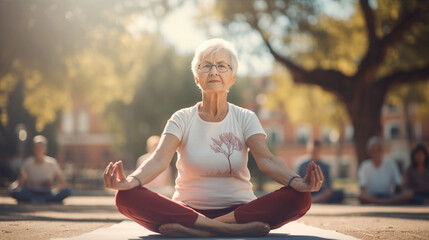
<point x="197" y="81"/>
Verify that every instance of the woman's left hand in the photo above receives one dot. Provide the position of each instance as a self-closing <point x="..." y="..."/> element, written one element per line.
<point x="312" y="181"/>
<point x="114" y="177"/>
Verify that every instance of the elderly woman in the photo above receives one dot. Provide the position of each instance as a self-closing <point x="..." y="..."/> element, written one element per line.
<point x="213" y="194"/>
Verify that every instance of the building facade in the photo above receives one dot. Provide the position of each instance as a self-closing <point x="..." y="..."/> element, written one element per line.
<point x="288" y="140"/>
<point x="85" y="148"/>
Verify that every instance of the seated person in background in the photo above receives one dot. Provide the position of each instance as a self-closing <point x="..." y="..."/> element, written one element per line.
<point x="163" y="183"/>
<point x="417" y="175"/>
<point x="36" y="182"/>
<point x="326" y="194"/>
<point x="380" y="179"/>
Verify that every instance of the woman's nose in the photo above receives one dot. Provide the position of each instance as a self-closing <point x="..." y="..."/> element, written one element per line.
<point x="215" y="71"/>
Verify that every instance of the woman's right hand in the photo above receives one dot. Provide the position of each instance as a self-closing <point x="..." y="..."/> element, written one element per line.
<point x="114" y="177"/>
<point x="313" y="180"/>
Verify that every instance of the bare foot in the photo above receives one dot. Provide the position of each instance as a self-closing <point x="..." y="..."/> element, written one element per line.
<point x="178" y="230"/>
<point x="252" y="229"/>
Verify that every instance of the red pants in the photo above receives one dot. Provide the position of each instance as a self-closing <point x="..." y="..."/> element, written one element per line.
<point x="152" y="210"/>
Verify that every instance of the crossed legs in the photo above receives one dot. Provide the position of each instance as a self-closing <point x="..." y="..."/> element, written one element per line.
<point x="28" y="195"/>
<point x="160" y="214"/>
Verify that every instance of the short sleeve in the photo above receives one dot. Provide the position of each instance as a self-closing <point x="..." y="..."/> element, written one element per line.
<point x="52" y="166"/>
<point x="397" y="177"/>
<point x="176" y="125"/>
<point x="252" y="126"/>
<point x="25" y="166"/>
<point x="57" y="168"/>
<point x="363" y="175"/>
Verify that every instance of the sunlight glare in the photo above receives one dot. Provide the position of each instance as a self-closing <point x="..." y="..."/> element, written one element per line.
<point x="179" y="29"/>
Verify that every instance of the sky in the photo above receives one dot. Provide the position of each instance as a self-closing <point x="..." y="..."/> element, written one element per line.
<point x="179" y="29"/>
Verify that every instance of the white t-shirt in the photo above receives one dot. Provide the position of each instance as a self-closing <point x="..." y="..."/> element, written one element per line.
<point x="381" y="180"/>
<point x="39" y="174"/>
<point x="212" y="157"/>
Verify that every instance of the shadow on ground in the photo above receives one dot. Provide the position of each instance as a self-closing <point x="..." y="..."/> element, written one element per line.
<point x="271" y="236"/>
<point x="400" y="215"/>
<point x="56" y="212"/>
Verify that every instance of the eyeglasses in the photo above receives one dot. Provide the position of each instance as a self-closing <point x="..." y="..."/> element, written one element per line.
<point x="206" y="67"/>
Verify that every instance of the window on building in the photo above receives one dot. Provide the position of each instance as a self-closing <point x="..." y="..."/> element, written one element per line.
<point x="390" y="108"/>
<point x="350" y="131"/>
<point x="83" y="122"/>
<point x="392" y="130"/>
<point x="275" y="135"/>
<point x="106" y="155"/>
<point x="83" y="155"/>
<point x="68" y="156"/>
<point x="325" y="135"/>
<point x="303" y="134"/>
<point x="67" y="124"/>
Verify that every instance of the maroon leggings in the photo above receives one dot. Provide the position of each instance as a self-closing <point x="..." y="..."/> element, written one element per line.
<point x="152" y="210"/>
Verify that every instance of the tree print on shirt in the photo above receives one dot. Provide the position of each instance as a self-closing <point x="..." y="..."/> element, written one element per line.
<point x="227" y="144"/>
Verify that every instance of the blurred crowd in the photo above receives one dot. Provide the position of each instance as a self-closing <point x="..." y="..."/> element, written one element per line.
<point x="379" y="177"/>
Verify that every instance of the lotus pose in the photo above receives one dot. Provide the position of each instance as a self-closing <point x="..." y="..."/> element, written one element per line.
<point x="41" y="179"/>
<point x="213" y="194"/>
<point x="380" y="179"/>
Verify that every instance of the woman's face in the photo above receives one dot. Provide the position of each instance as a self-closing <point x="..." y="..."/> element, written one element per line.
<point x="39" y="150"/>
<point x="419" y="158"/>
<point x="215" y="81"/>
<point x="376" y="153"/>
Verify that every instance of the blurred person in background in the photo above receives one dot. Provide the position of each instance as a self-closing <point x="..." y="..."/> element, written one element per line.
<point x="417" y="175"/>
<point x="379" y="178"/>
<point x="41" y="179"/>
<point x="163" y="183"/>
<point x="326" y="194"/>
<point x="214" y="195"/>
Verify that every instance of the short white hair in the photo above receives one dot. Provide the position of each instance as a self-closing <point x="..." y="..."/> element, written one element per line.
<point x="373" y="141"/>
<point x="213" y="46"/>
<point x="40" y="139"/>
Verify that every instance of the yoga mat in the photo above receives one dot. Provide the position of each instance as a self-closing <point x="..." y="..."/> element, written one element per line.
<point x="129" y="230"/>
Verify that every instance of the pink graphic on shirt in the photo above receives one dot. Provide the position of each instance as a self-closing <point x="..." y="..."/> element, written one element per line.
<point x="227" y="144"/>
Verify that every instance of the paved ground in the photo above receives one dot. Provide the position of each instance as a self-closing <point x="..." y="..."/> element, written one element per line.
<point x="82" y="214"/>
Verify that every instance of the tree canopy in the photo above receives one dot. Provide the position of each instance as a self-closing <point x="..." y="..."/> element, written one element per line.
<point x="359" y="58"/>
<point x="52" y="51"/>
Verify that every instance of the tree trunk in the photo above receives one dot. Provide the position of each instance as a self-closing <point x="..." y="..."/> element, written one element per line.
<point x="406" y="112"/>
<point x="340" y="143"/>
<point x="365" y="112"/>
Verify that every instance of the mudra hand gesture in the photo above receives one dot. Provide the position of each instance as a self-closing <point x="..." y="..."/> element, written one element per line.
<point x="114" y="177"/>
<point x="312" y="181"/>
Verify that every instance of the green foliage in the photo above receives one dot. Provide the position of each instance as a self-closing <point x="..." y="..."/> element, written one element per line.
<point x="50" y="38"/>
<point x="167" y="87"/>
<point x="303" y="32"/>
<point x="412" y="95"/>
<point x="53" y="50"/>
<point x="304" y="104"/>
